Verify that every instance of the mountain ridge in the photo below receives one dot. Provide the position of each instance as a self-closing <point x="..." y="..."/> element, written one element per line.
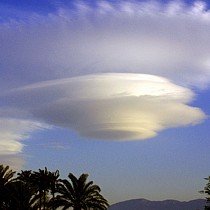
<point x="144" y="204"/>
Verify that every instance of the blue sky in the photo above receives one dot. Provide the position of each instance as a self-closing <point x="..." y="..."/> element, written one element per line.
<point x="117" y="89"/>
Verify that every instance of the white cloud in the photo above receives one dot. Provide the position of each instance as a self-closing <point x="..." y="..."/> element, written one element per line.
<point x="169" y="40"/>
<point x="13" y="132"/>
<point x="111" y="106"/>
<point x="10" y="146"/>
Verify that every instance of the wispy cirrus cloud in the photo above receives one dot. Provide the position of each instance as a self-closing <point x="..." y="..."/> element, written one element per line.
<point x="169" y="40"/>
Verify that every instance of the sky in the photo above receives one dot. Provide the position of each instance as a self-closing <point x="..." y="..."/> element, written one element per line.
<point x="117" y="89"/>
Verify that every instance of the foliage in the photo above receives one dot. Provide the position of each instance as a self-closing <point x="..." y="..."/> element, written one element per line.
<point x="207" y="192"/>
<point x="42" y="189"/>
<point x="53" y="182"/>
<point x="6" y="178"/>
<point x="80" y="194"/>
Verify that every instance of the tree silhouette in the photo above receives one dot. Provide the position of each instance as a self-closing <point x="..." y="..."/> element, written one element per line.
<point x="6" y="178"/>
<point x="207" y="191"/>
<point x="53" y="181"/>
<point x="31" y="190"/>
<point x="25" y="176"/>
<point x="28" y="187"/>
<point x="79" y="194"/>
<point x="22" y="197"/>
<point x="41" y="180"/>
<point x="40" y="183"/>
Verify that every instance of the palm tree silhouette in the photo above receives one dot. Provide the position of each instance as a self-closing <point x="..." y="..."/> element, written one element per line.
<point x="53" y="181"/>
<point x="30" y="190"/>
<point x="80" y="194"/>
<point x="40" y="183"/>
<point x="41" y="180"/>
<point x="6" y="178"/>
<point x="22" y="197"/>
<point x="26" y="186"/>
<point x="25" y="176"/>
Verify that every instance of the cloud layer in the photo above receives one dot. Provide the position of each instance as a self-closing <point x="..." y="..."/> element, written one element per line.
<point x="169" y="40"/>
<point x="109" y="106"/>
<point x="109" y="42"/>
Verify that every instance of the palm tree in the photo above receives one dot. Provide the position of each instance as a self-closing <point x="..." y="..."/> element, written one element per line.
<point x="22" y="197"/>
<point x="79" y="194"/>
<point x="6" y="177"/>
<point x="25" y="176"/>
<point x="41" y="180"/>
<point x="39" y="183"/>
<point x="53" y="181"/>
<point x="25" y="185"/>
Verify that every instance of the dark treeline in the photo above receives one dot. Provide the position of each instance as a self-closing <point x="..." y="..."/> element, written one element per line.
<point x="43" y="189"/>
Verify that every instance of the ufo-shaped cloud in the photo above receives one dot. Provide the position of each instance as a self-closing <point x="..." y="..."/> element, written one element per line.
<point x="110" y="106"/>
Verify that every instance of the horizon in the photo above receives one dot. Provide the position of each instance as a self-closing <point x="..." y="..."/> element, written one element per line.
<point x="117" y="89"/>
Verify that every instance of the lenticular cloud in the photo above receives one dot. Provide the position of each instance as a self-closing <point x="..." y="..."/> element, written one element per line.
<point x="131" y="50"/>
<point x="111" y="106"/>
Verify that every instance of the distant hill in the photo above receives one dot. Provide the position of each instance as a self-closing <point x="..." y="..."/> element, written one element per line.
<point x="143" y="204"/>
